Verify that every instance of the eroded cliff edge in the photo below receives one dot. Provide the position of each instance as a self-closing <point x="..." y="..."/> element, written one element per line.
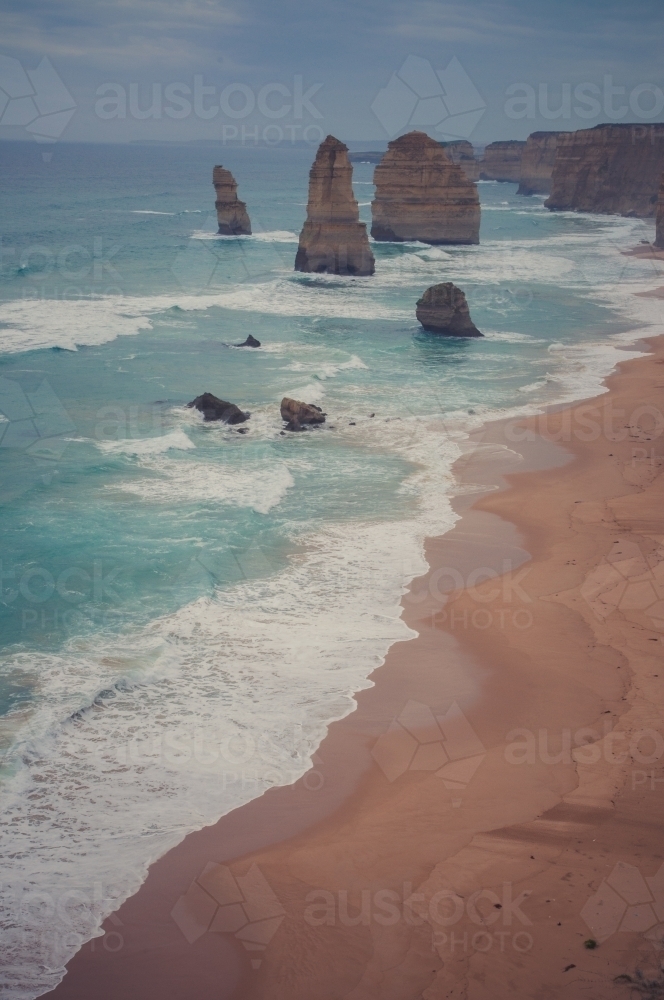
<point x="609" y="169"/>
<point x="333" y="239"/>
<point x="502" y="161"/>
<point x="422" y="195"/>
<point x="537" y="162"/>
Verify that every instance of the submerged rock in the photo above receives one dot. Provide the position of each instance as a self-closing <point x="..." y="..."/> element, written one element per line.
<point x="300" y="415"/>
<point x="214" y="408"/>
<point x="443" y="309"/>
<point x="502" y="161"/>
<point x="250" y="342"/>
<point x="610" y="169"/>
<point x="333" y="239"/>
<point x="537" y="163"/>
<point x="231" y="212"/>
<point x="422" y="195"/>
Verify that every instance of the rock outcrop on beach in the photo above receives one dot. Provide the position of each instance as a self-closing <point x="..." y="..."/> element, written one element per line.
<point x="333" y="239"/>
<point x="461" y="151"/>
<point x="659" y="237"/>
<point x="443" y="309"/>
<point x="300" y="415"/>
<point x="249" y="342"/>
<point x="609" y="169"/>
<point x="231" y="212"/>
<point x="422" y="195"/>
<point x="537" y="163"/>
<point x="214" y="408"/>
<point x="502" y="161"/>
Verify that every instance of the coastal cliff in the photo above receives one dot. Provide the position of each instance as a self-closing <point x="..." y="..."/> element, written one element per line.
<point x="422" y="195"/>
<point x="537" y="163"/>
<point x="659" y="238"/>
<point x="461" y="151"/>
<point x="609" y="169"/>
<point x="502" y="161"/>
<point x="333" y="239"/>
<point x="231" y="212"/>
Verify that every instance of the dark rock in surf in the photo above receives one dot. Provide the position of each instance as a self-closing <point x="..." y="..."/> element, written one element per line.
<point x="214" y="408"/>
<point x="443" y="309"/>
<point x="299" y="416"/>
<point x="250" y="342"/>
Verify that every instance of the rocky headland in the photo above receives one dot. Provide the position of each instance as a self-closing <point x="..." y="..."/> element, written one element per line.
<point x="333" y="239"/>
<point x="502" y="161"/>
<point x="609" y="169"/>
<point x="231" y="212"/>
<point x="537" y="163"/>
<point x="462" y="152"/>
<point x="443" y="309"/>
<point x="422" y="195"/>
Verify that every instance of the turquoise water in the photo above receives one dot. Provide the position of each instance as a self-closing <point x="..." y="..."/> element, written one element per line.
<point x="184" y="608"/>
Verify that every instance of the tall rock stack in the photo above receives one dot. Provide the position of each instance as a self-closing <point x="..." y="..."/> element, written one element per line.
<point x="333" y="239"/>
<point x="537" y="163"/>
<point x="659" y="238"/>
<point x="422" y="195"/>
<point x="609" y="169"/>
<point x="502" y="161"/>
<point x="231" y="212"/>
<point x="461" y="151"/>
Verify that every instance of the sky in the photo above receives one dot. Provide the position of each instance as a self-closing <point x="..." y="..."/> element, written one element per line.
<point x="293" y="70"/>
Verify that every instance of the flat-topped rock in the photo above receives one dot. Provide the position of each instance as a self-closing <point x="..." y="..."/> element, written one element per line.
<point x="462" y="152"/>
<point x="659" y="237"/>
<point x="214" y="408"/>
<point x="502" y="161"/>
<point x="537" y="163"/>
<point x="443" y="309"/>
<point x="231" y="212"/>
<point x="609" y="169"/>
<point x="333" y="240"/>
<point x="422" y="195"/>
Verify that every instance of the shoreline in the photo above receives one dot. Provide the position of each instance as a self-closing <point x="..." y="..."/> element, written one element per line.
<point x="365" y="804"/>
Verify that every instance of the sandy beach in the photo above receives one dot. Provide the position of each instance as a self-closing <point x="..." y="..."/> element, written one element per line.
<point x="469" y="830"/>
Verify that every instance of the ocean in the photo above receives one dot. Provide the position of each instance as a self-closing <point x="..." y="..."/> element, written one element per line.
<point x="184" y="608"/>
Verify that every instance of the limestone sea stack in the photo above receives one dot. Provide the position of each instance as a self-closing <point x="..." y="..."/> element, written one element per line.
<point x="443" y="309"/>
<point x="502" y="161"/>
<point x="333" y="239"/>
<point x="231" y="212"/>
<point x="659" y="237"/>
<point x="461" y="151"/>
<point x="609" y="169"/>
<point x="214" y="408"/>
<point x="537" y="163"/>
<point x="300" y="415"/>
<point x="422" y="195"/>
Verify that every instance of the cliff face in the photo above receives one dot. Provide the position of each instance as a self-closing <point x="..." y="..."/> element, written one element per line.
<point x="333" y="239"/>
<point x="537" y="163"/>
<point x="610" y="169"/>
<point x="502" y="161"/>
<point x="422" y="195"/>
<point x="659" y="238"/>
<point x="231" y="212"/>
<point x="462" y="152"/>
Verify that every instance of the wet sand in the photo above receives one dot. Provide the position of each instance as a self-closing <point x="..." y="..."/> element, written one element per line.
<point x="456" y="835"/>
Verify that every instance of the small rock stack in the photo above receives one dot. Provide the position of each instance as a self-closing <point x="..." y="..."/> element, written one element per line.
<point x="231" y="212"/>
<point x="443" y="309"/>
<point x="333" y="240"/>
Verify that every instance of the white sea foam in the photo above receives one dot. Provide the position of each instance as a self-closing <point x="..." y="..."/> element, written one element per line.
<point x="148" y="446"/>
<point x="273" y="236"/>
